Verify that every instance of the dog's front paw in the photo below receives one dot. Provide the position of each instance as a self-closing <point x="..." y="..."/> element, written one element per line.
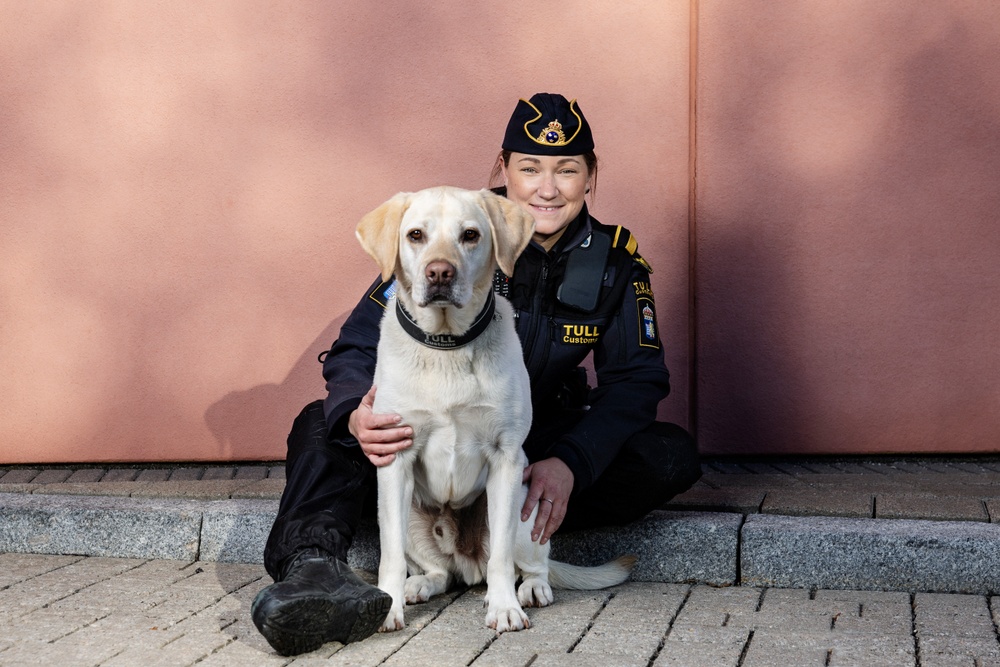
<point x="420" y="588"/>
<point x="534" y="592"/>
<point x="393" y="620"/>
<point x="507" y="619"/>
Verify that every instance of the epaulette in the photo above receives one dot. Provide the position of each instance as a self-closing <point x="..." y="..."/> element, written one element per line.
<point x="624" y="239"/>
<point x="383" y="292"/>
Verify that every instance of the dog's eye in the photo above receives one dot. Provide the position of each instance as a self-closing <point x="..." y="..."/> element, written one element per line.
<point x="415" y="235"/>
<point x="470" y="235"/>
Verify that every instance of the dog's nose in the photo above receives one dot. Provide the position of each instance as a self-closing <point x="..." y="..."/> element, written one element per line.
<point x="439" y="273"/>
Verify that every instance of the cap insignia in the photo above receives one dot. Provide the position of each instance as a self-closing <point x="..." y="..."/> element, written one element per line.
<point x="553" y="134"/>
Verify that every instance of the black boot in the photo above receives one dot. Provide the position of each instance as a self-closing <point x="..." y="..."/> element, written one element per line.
<point x="318" y="600"/>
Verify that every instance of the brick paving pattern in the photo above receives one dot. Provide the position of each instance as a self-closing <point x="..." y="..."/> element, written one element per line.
<point x="75" y="610"/>
<point x="71" y="610"/>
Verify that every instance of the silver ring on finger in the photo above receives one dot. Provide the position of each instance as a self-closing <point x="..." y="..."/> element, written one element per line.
<point x="548" y="500"/>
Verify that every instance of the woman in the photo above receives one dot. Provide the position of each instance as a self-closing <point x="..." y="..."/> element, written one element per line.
<point x="597" y="456"/>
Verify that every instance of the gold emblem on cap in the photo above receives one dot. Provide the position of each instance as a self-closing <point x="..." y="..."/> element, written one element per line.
<point x="555" y="126"/>
<point x="552" y="135"/>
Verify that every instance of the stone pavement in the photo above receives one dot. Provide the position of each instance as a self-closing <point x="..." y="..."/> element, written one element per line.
<point x="790" y="562"/>
<point x="113" y="612"/>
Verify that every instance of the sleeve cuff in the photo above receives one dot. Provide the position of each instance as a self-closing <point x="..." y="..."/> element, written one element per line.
<point x="565" y="452"/>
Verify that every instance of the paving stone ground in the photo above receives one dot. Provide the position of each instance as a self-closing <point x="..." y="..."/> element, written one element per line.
<point x="927" y="523"/>
<point x="71" y="610"/>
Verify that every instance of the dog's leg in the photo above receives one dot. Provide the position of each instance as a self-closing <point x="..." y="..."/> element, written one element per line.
<point x="532" y="559"/>
<point x="395" y="495"/>
<point x="503" y="611"/>
<point x="427" y="562"/>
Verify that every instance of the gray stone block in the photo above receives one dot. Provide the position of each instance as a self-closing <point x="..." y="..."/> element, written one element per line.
<point x="251" y="473"/>
<point x="86" y="475"/>
<point x="870" y="554"/>
<point x="365" y="552"/>
<point x="19" y="476"/>
<point x="121" y="475"/>
<point x="201" y="490"/>
<point x="234" y="531"/>
<point x="99" y="526"/>
<point x="186" y="474"/>
<point x="703" y="498"/>
<point x="52" y="476"/>
<point x="153" y="475"/>
<point x="824" y="502"/>
<point x="671" y="546"/>
<point x="92" y="488"/>
<point x="218" y="472"/>
<point x="929" y="506"/>
<point x="261" y="489"/>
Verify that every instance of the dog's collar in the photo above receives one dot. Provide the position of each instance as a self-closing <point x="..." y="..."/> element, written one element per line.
<point x="445" y="341"/>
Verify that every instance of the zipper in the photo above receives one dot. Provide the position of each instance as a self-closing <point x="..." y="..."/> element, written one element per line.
<point x="533" y="363"/>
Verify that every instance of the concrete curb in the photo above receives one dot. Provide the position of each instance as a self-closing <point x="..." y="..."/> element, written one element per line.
<point x="720" y="549"/>
<point x="871" y="554"/>
<point x="100" y="526"/>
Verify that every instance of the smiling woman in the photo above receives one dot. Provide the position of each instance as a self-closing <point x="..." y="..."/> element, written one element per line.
<point x="551" y="187"/>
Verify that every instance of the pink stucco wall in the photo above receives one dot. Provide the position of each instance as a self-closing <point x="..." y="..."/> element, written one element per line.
<point x="179" y="184"/>
<point x="848" y="226"/>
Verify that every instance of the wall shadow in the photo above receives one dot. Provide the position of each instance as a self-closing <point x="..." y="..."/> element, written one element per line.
<point x="258" y="419"/>
<point x="847" y="217"/>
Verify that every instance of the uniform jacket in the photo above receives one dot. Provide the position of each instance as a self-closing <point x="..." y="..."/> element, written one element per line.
<point x="621" y="331"/>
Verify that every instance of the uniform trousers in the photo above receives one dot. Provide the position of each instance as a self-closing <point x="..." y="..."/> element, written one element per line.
<point x="331" y="485"/>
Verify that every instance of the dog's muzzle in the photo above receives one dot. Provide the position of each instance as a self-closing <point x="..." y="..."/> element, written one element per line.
<point x="439" y="276"/>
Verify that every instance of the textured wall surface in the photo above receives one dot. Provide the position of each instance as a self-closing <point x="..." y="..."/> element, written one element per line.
<point x="848" y="234"/>
<point x="180" y="182"/>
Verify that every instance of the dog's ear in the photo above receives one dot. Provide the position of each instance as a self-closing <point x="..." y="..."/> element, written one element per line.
<point x="378" y="232"/>
<point x="512" y="227"/>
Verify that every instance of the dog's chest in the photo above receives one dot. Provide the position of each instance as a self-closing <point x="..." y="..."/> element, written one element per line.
<point x="451" y="449"/>
<point x="465" y="406"/>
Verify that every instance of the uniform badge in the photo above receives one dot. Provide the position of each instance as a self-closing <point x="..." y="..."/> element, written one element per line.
<point x="580" y="334"/>
<point x="383" y="293"/>
<point x="553" y="134"/>
<point x="647" y="323"/>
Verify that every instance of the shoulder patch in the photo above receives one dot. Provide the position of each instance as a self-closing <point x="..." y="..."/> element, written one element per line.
<point x="646" y="312"/>
<point x="624" y="239"/>
<point x="383" y="293"/>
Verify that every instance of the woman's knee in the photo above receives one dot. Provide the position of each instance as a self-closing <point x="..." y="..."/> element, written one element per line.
<point x="308" y="430"/>
<point x="669" y="456"/>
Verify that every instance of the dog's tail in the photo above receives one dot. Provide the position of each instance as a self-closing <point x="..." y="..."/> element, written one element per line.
<point x="578" y="578"/>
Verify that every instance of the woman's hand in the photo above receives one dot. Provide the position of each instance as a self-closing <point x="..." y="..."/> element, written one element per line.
<point x="550" y="482"/>
<point x="380" y="436"/>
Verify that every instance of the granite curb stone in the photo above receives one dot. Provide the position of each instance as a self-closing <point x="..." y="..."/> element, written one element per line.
<point x="870" y="554"/>
<point x="99" y="526"/>
<point x="235" y="531"/>
<point x="223" y="512"/>
<point x="671" y="546"/>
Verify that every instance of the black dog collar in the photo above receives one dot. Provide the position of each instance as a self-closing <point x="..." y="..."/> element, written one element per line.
<point x="445" y="341"/>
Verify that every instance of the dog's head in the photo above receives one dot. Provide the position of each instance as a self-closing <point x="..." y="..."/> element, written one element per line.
<point x="442" y="243"/>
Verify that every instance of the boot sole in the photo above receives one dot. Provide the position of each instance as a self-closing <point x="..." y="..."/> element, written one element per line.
<point x="281" y="624"/>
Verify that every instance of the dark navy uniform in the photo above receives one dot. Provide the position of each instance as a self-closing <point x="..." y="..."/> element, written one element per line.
<point x="624" y="463"/>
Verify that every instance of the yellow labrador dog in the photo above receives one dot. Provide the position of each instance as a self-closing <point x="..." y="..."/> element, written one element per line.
<point x="450" y="363"/>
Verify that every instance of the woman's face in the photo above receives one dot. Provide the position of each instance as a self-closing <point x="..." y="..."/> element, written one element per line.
<point x="550" y="187"/>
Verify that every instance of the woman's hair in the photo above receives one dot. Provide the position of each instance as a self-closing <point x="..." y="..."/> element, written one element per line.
<point x="589" y="158"/>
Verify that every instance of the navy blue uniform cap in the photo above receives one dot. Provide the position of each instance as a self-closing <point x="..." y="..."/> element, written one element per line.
<point x="548" y="125"/>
